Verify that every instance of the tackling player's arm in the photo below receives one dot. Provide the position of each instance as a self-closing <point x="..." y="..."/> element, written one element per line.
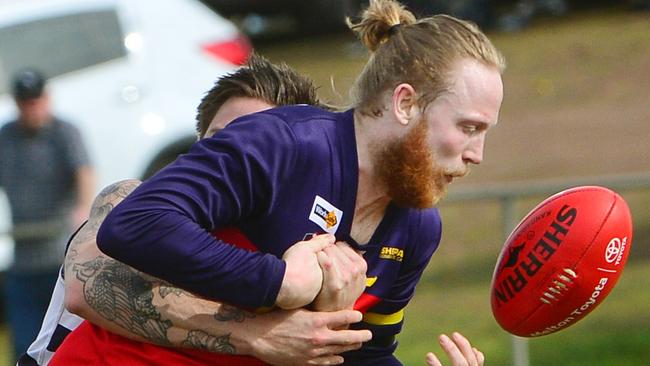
<point x="144" y="308"/>
<point x="226" y="180"/>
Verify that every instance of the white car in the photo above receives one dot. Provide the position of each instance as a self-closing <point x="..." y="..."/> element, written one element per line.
<point x="128" y="73"/>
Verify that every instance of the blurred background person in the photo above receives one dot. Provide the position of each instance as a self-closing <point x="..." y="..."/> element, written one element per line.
<point x="48" y="179"/>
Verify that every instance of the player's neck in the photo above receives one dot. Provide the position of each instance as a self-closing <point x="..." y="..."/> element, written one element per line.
<point x="365" y="222"/>
<point x="370" y="205"/>
<point x="371" y="135"/>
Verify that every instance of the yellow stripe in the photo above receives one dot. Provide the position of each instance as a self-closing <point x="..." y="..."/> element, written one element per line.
<point x="264" y="309"/>
<point x="383" y="319"/>
<point x="371" y="281"/>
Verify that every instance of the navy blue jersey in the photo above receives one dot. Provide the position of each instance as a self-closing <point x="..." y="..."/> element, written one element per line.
<point x="278" y="176"/>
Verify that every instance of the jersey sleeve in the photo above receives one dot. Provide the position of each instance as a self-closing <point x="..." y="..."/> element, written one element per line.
<point x="163" y="227"/>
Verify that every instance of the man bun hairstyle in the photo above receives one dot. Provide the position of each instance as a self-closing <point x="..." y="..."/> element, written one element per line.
<point x="379" y="21"/>
<point x="420" y="52"/>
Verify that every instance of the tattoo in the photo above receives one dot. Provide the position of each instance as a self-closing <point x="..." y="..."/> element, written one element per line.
<point x="70" y="256"/>
<point x="105" y="201"/>
<point x="119" y="190"/>
<point x="167" y="290"/>
<point x="120" y="295"/>
<point x="229" y="312"/>
<point x="108" y="198"/>
<point x="73" y="253"/>
<point x="86" y="234"/>
<point x="125" y="296"/>
<point x="202" y="340"/>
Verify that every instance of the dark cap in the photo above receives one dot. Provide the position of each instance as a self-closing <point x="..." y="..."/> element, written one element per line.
<point x="28" y="84"/>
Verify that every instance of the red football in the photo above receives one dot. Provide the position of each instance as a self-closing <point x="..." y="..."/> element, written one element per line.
<point x="561" y="261"/>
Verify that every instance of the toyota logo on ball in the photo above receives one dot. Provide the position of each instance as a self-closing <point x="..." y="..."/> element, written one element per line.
<point x="613" y="249"/>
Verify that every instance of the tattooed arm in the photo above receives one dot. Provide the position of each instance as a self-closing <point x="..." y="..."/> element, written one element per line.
<point x="127" y="302"/>
<point x="144" y="308"/>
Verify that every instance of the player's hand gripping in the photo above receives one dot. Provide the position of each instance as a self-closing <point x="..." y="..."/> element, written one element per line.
<point x="344" y="277"/>
<point x="302" y="337"/>
<point x="303" y="276"/>
<point x="459" y="351"/>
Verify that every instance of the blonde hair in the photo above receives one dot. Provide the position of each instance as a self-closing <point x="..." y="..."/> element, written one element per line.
<point x="418" y="52"/>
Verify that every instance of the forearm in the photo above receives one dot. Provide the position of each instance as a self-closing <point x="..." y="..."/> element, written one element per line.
<point x="133" y="304"/>
<point x="150" y="310"/>
<point x="143" y="308"/>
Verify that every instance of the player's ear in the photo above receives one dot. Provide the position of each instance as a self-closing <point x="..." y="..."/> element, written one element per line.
<point x="405" y="106"/>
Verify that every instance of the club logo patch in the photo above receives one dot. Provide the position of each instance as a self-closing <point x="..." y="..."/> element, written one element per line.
<point x="325" y="215"/>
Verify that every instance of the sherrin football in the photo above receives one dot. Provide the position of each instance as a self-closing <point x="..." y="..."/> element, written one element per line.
<point x="561" y="261"/>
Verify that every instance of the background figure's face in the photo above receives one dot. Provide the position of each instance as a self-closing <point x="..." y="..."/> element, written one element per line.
<point x="34" y="113"/>
<point x="446" y="139"/>
<point x="234" y="108"/>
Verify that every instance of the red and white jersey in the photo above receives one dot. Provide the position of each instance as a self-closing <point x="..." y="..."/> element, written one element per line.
<point x="57" y="324"/>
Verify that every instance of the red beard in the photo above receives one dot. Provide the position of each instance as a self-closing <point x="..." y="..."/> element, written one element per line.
<point x="409" y="170"/>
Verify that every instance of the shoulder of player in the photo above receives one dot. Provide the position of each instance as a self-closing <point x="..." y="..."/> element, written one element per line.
<point x="417" y="219"/>
<point x="297" y="116"/>
<point x="424" y="228"/>
<point x="298" y="112"/>
<point x="290" y="128"/>
<point x="117" y="190"/>
<point x="317" y="131"/>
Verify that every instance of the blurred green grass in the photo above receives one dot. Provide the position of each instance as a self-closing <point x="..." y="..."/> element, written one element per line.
<point x="453" y="295"/>
<point x="615" y="333"/>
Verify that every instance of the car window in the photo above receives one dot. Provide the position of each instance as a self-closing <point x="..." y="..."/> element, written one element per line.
<point x="60" y="44"/>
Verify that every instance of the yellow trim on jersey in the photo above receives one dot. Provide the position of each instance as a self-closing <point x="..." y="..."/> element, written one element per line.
<point x="371" y="281"/>
<point x="264" y="309"/>
<point x="384" y="319"/>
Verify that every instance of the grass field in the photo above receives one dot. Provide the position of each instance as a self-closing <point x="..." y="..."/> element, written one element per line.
<point x="576" y="104"/>
<point x="617" y="333"/>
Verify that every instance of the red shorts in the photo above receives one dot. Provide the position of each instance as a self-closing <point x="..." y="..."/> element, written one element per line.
<point x="92" y="345"/>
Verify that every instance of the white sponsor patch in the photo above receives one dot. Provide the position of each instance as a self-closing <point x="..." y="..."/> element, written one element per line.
<point x="325" y="215"/>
